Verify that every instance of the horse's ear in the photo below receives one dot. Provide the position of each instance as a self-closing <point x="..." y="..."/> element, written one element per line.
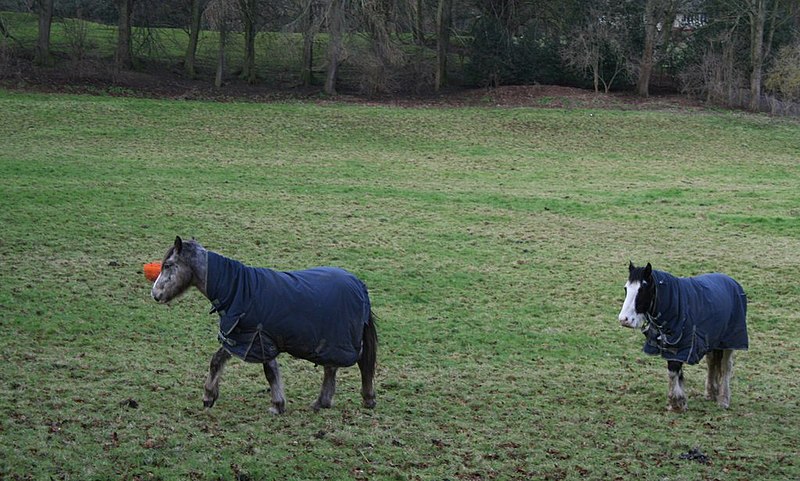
<point x="178" y="244"/>
<point x="631" y="267"/>
<point x="648" y="270"/>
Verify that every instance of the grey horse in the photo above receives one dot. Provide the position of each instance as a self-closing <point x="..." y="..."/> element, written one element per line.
<point x="322" y="315"/>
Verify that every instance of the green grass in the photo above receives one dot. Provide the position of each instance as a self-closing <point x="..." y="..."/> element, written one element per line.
<point x="495" y="243"/>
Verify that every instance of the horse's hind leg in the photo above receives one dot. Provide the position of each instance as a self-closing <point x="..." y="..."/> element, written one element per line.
<point x="676" y="394"/>
<point x="211" y="387"/>
<point x="273" y="374"/>
<point x="367" y="387"/>
<point x="713" y="360"/>
<point x="726" y="372"/>
<point x="325" y="399"/>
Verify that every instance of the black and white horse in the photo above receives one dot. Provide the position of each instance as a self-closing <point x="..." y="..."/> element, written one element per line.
<point x="684" y="319"/>
<point x="322" y="315"/>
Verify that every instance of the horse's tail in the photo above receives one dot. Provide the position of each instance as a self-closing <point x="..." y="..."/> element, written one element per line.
<point x="368" y="361"/>
<point x="369" y="353"/>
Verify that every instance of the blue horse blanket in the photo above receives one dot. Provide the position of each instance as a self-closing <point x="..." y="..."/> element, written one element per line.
<point x="317" y="314"/>
<point x="695" y="315"/>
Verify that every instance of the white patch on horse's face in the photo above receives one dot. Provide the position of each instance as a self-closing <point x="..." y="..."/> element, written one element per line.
<point x="158" y="289"/>
<point x="628" y="317"/>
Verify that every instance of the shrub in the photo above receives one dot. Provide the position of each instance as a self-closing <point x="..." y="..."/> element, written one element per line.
<point x="783" y="78"/>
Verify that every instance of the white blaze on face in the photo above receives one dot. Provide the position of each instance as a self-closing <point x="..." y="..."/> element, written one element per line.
<point x="628" y="317"/>
<point x="156" y="290"/>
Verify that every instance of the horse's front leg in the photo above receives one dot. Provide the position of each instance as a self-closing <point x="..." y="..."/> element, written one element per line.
<point x="211" y="387"/>
<point x="325" y="399"/>
<point x="676" y="396"/>
<point x="273" y="374"/>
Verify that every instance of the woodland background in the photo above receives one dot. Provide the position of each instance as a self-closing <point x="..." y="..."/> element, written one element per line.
<point x="740" y="53"/>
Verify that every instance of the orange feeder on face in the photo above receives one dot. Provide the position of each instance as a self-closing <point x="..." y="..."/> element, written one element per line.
<point x="152" y="270"/>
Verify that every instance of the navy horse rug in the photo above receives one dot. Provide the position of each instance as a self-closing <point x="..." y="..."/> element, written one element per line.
<point x="694" y="315"/>
<point x="316" y="314"/>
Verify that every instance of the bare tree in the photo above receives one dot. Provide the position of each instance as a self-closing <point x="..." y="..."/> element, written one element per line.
<point x="45" y="9"/>
<point x="444" y="19"/>
<point x="377" y="63"/>
<point x="719" y="73"/>
<point x="761" y="18"/>
<point x="757" y="11"/>
<point x="197" y="8"/>
<point x="760" y="46"/>
<point x="249" y="11"/>
<point x="599" y="48"/>
<point x="419" y="24"/>
<point x="336" y="27"/>
<point x="657" y="12"/>
<point x="124" y="53"/>
<point x="310" y="23"/>
<point x="220" y="16"/>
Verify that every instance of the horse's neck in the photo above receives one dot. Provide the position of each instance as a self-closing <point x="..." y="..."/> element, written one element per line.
<point x="222" y="277"/>
<point x="200" y="270"/>
<point x="665" y="283"/>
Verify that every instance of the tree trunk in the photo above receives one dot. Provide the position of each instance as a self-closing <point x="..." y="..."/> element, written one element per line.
<point x="309" y="32"/>
<point x="336" y="32"/>
<point x="419" y="30"/>
<point x="443" y="21"/>
<point x="773" y="22"/>
<point x="194" y="33"/>
<point x="248" y="8"/>
<point x="650" y="32"/>
<point x="794" y="13"/>
<point x="728" y="78"/>
<point x="223" y="40"/>
<point x="45" y="8"/>
<point x="758" y="16"/>
<point x="124" y="55"/>
<point x="669" y="21"/>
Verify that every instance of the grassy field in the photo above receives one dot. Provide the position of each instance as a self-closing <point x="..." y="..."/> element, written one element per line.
<point x="495" y="243"/>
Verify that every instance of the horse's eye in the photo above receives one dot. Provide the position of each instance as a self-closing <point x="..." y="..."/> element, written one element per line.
<point x="165" y="267"/>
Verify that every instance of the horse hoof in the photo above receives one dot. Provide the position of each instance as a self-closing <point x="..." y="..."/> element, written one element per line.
<point x="209" y="404"/>
<point x="678" y="408"/>
<point x="369" y="403"/>
<point x="319" y="405"/>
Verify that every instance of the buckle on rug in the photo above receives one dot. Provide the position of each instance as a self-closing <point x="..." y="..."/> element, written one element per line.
<point x="224" y="340"/>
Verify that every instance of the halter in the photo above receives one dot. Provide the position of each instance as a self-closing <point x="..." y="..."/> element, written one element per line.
<point x="650" y="316"/>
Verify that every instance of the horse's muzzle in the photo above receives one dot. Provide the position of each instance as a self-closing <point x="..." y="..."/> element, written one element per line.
<point x="157" y="297"/>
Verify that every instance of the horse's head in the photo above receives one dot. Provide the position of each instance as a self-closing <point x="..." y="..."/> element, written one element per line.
<point x="178" y="271"/>
<point x="640" y="290"/>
